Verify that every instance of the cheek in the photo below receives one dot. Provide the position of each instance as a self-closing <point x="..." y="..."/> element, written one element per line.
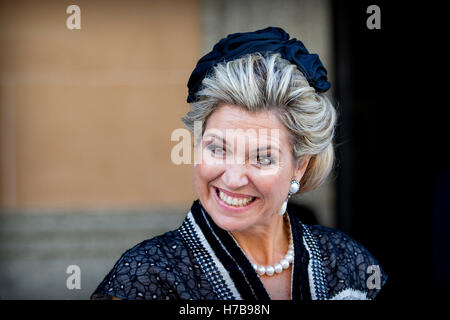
<point x="204" y="174"/>
<point x="271" y="186"/>
<point x="208" y="168"/>
<point x="274" y="186"/>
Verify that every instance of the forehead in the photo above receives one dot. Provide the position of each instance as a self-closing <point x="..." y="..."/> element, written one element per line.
<point x="231" y="117"/>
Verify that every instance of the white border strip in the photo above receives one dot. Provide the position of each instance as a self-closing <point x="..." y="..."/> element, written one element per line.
<point x="219" y="265"/>
<point x="310" y="273"/>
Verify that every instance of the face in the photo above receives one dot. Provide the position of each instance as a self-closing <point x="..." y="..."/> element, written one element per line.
<point x="245" y="167"/>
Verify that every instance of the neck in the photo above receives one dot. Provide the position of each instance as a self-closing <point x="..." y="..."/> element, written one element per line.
<point x="267" y="243"/>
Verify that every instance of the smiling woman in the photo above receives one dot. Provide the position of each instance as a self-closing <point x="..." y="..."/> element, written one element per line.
<point x="224" y="181"/>
<point x="267" y="133"/>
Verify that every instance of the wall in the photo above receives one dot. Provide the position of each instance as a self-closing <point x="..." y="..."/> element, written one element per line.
<point x="87" y="114"/>
<point x="86" y="119"/>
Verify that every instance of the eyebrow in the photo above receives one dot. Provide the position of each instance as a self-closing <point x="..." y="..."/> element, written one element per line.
<point x="258" y="149"/>
<point x="214" y="136"/>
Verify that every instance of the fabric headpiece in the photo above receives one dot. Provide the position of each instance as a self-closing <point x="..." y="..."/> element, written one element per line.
<point x="273" y="39"/>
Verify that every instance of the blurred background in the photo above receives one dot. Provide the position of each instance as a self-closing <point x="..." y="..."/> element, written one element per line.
<point x="86" y="118"/>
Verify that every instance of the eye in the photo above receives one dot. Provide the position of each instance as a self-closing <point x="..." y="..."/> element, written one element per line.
<point x="216" y="150"/>
<point x="265" y="161"/>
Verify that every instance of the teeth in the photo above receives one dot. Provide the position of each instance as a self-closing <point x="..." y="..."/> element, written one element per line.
<point x="237" y="202"/>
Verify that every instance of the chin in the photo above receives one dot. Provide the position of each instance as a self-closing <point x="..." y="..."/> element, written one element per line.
<point x="230" y="223"/>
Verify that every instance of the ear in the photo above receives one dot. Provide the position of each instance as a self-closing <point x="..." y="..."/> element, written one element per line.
<point x="302" y="164"/>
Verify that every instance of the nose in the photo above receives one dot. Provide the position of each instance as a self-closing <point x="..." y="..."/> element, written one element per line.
<point x="235" y="176"/>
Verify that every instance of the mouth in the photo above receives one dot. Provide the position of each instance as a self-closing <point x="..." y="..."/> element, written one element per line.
<point x="234" y="201"/>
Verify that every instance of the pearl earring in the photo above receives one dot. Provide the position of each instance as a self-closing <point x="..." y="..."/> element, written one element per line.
<point x="295" y="186"/>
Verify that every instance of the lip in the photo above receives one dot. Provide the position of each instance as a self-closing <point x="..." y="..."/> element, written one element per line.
<point x="227" y="207"/>
<point x="235" y="195"/>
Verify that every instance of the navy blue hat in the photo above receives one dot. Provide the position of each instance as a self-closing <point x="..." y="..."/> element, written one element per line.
<point x="273" y="39"/>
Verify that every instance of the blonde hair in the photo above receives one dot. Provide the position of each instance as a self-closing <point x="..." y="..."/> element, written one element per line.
<point x="258" y="82"/>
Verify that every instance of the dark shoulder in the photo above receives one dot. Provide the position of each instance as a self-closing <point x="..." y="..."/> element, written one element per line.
<point x="159" y="250"/>
<point x="336" y="242"/>
<point x="164" y="245"/>
<point x="348" y="265"/>
<point x="147" y="265"/>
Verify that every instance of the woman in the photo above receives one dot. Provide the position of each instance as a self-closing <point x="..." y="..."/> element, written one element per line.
<point x="238" y="242"/>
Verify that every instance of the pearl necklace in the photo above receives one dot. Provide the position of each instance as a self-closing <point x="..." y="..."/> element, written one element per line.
<point x="270" y="270"/>
<point x="284" y="264"/>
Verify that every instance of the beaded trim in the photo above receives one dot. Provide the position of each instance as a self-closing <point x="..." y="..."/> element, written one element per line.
<point x="316" y="272"/>
<point x="206" y="261"/>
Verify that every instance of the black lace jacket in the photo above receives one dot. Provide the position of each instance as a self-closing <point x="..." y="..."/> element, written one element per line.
<point x="200" y="261"/>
